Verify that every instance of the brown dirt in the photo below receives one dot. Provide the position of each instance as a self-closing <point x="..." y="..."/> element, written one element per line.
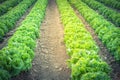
<point x="50" y="58"/>
<point x="11" y="32"/>
<point x="104" y="53"/>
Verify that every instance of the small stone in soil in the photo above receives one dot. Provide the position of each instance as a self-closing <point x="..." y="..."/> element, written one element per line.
<point x="51" y="48"/>
<point x="46" y="62"/>
<point x="105" y="58"/>
<point x="30" y="72"/>
<point x="46" y="66"/>
<point x="45" y="50"/>
<point x="56" y="67"/>
<point x="34" y="70"/>
<point x="42" y="46"/>
<point x="33" y="64"/>
<point x="60" y="69"/>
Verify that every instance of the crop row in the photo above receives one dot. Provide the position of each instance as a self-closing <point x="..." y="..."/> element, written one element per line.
<point x="1" y="1"/>
<point x="17" y="56"/>
<point x="118" y="0"/>
<point x="105" y="11"/>
<point x="112" y="3"/>
<point x="85" y="61"/>
<point x="8" y="20"/>
<point x="107" y="32"/>
<point x="7" y="5"/>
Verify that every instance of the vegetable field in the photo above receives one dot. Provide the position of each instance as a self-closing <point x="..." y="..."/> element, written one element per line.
<point x="59" y="39"/>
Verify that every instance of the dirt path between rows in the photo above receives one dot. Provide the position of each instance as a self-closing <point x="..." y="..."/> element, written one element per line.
<point x="51" y="57"/>
<point x="104" y="53"/>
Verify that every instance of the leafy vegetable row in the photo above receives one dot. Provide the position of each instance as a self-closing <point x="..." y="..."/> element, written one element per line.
<point x="112" y="3"/>
<point x="118" y="0"/>
<point x="7" y="5"/>
<point x="105" y="11"/>
<point x="17" y="56"/>
<point x="1" y="1"/>
<point x="81" y="47"/>
<point x="107" y="32"/>
<point x="8" y="20"/>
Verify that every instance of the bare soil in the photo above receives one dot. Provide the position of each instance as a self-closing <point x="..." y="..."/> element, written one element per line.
<point x="50" y="54"/>
<point x="104" y="53"/>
